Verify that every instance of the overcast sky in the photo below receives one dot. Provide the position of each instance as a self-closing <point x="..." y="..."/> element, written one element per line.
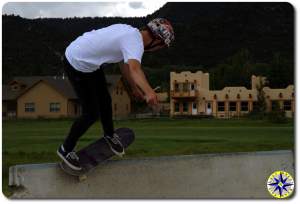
<point x="80" y="9"/>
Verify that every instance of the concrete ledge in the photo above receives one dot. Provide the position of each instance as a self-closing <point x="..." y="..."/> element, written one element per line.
<point x="237" y="175"/>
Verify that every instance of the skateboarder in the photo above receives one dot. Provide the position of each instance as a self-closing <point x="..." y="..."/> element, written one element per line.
<point x="84" y="60"/>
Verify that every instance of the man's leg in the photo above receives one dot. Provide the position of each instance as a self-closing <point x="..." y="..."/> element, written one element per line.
<point x="105" y="104"/>
<point x="106" y="115"/>
<point x="83" y="85"/>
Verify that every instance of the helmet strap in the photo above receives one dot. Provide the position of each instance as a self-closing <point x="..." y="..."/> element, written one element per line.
<point x="152" y="45"/>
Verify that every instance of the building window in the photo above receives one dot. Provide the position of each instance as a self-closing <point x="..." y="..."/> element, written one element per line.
<point x="121" y="91"/>
<point x="75" y="109"/>
<point x="244" y="106"/>
<point x="255" y="105"/>
<point x="275" y="105"/>
<point x="193" y="87"/>
<point x="232" y="106"/>
<point x="54" y="107"/>
<point x="221" y="106"/>
<point x="29" y="107"/>
<point x="15" y="87"/>
<point x="117" y="90"/>
<point x="176" y="105"/>
<point x="185" y="87"/>
<point x="185" y="107"/>
<point x="287" y="105"/>
<point x="176" y="87"/>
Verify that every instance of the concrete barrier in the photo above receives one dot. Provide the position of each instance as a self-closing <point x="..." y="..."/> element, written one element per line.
<point x="237" y="175"/>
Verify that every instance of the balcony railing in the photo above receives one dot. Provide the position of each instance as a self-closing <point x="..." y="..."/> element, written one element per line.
<point x="184" y="94"/>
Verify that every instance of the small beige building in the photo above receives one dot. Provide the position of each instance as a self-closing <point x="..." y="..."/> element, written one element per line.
<point x="54" y="97"/>
<point x="190" y="95"/>
<point x="163" y="102"/>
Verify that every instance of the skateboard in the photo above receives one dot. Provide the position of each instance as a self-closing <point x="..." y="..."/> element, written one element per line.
<point x="96" y="153"/>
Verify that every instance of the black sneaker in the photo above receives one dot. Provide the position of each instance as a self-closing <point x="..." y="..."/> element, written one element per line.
<point x="115" y="144"/>
<point x="70" y="158"/>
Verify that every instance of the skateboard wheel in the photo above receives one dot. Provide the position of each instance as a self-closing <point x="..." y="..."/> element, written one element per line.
<point x="82" y="177"/>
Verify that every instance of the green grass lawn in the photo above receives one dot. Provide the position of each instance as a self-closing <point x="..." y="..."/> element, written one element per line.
<point x="35" y="141"/>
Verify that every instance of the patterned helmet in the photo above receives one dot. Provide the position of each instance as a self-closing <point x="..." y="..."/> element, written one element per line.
<point x="162" y="28"/>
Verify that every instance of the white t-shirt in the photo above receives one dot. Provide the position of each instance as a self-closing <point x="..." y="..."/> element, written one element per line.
<point x="111" y="44"/>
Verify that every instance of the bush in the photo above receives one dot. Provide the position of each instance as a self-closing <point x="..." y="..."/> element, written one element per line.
<point x="277" y="116"/>
<point x="256" y="115"/>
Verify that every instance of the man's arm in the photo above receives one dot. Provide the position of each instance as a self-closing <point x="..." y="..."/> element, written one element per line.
<point x="137" y="93"/>
<point x="125" y="73"/>
<point x="136" y="78"/>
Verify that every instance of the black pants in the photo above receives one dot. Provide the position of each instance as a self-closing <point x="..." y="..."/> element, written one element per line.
<point x="93" y="94"/>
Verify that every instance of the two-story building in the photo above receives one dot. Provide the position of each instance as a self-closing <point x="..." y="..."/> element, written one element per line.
<point x="190" y="95"/>
<point x="54" y="97"/>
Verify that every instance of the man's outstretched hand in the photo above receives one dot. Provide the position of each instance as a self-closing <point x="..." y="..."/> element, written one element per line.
<point x="151" y="98"/>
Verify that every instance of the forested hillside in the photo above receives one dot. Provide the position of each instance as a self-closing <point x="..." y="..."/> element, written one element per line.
<point x="229" y="40"/>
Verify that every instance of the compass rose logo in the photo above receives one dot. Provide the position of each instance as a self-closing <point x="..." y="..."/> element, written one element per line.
<point x="280" y="184"/>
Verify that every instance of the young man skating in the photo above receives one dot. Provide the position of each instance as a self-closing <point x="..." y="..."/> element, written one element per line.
<point x="84" y="57"/>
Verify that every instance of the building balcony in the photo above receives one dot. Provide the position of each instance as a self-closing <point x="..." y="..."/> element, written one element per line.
<point x="184" y="94"/>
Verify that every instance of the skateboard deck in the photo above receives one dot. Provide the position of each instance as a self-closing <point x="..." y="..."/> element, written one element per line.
<point x="96" y="153"/>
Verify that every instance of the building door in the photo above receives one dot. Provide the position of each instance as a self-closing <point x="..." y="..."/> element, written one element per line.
<point x="192" y="87"/>
<point x="194" y="108"/>
<point x="208" y="108"/>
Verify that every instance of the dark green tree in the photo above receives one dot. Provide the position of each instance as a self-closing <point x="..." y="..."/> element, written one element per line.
<point x="235" y="71"/>
<point x="281" y="73"/>
<point x="260" y="106"/>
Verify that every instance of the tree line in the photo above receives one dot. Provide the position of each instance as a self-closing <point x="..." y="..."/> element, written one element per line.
<point x="231" y="41"/>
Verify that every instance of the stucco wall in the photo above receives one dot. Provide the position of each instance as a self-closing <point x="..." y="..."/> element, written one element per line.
<point x="42" y="95"/>
<point x="120" y="101"/>
<point x="226" y="95"/>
